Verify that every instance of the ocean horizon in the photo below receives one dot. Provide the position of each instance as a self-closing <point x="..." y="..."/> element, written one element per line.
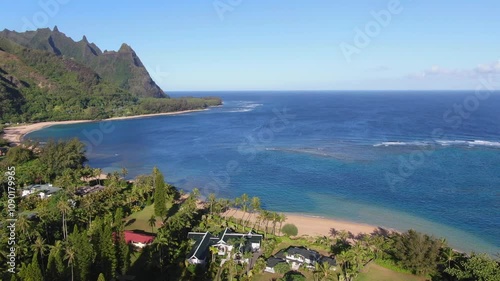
<point x="426" y="160"/>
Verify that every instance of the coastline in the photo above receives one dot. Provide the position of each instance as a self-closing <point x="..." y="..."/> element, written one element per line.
<point x="15" y="134"/>
<point x="313" y="225"/>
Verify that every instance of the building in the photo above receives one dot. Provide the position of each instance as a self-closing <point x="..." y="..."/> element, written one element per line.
<point x="84" y="190"/>
<point x="43" y="190"/>
<point x="229" y="245"/>
<point x="138" y="240"/>
<point x="200" y="250"/>
<point x="297" y="257"/>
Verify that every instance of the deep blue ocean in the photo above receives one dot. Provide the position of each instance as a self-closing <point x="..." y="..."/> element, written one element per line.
<point x="423" y="160"/>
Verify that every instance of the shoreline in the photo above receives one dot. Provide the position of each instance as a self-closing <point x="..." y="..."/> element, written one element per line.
<point x="309" y="225"/>
<point x="15" y="134"/>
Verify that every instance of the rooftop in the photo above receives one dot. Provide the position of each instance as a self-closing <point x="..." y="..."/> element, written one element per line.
<point x="200" y="248"/>
<point x="89" y="189"/>
<point x="273" y="261"/>
<point x="47" y="188"/>
<point x="302" y="251"/>
<point x="133" y="237"/>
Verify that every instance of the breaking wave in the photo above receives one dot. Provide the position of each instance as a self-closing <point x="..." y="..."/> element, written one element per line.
<point x="469" y="143"/>
<point x="244" y="106"/>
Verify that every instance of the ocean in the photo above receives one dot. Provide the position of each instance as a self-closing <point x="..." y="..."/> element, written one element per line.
<point x="401" y="159"/>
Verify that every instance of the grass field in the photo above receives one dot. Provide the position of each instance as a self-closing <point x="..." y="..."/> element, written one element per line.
<point x="375" y="272"/>
<point x="139" y="220"/>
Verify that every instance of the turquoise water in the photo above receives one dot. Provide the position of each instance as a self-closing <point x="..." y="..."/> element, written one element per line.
<point x="397" y="159"/>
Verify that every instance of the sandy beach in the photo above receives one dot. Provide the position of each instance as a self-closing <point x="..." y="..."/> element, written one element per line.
<point x="15" y="134"/>
<point x="314" y="226"/>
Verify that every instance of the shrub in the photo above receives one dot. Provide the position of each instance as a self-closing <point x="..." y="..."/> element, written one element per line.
<point x="282" y="268"/>
<point x="290" y="230"/>
<point x="293" y="276"/>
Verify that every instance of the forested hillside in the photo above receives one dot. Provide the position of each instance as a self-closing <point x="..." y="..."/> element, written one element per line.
<point x="123" y="68"/>
<point x="37" y="84"/>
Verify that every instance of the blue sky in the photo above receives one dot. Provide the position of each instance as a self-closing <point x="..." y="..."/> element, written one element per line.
<point x="287" y="45"/>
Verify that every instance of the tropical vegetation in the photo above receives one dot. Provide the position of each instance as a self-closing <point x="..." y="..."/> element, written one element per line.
<point x="81" y="237"/>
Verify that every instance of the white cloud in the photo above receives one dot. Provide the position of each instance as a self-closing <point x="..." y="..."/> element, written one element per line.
<point x="438" y="71"/>
<point x="492" y="68"/>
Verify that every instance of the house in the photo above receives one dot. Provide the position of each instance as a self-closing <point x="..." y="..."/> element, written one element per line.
<point x="199" y="252"/>
<point x="84" y="190"/>
<point x="297" y="257"/>
<point x="229" y="244"/>
<point x="43" y="190"/>
<point x="239" y="242"/>
<point x="138" y="240"/>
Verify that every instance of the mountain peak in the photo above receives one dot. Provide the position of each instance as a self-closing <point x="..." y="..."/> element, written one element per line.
<point x="123" y="68"/>
<point x="125" y="48"/>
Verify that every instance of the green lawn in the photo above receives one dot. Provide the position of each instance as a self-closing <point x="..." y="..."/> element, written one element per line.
<point x="374" y="272"/>
<point x="139" y="220"/>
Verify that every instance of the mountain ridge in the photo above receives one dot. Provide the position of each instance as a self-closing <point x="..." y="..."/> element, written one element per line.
<point x="43" y="84"/>
<point x="122" y="67"/>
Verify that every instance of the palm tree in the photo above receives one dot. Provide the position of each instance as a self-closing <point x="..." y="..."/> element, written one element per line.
<point x="124" y="172"/>
<point x="343" y="260"/>
<point x="213" y="251"/>
<point x="244" y="205"/>
<point x="282" y="219"/>
<point x="87" y="205"/>
<point x="152" y="222"/>
<point x="343" y="236"/>
<point x="23" y="224"/>
<point x="263" y="215"/>
<point x="236" y="204"/>
<point x="322" y="271"/>
<point x="254" y="206"/>
<point x="376" y="243"/>
<point x="230" y="267"/>
<point x="64" y="208"/>
<point x="39" y="247"/>
<point x="450" y="255"/>
<point x="97" y="175"/>
<point x="267" y="217"/>
<point x="274" y="217"/>
<point x="160" y="241"/>
<point x="211" y="202"/>
<point x="258" y="220"/>
<point x="70" y="256"/>
<point x="334" y="233"/>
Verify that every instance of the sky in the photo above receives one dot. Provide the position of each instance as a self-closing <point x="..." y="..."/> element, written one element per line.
<point x="287" y="44"/>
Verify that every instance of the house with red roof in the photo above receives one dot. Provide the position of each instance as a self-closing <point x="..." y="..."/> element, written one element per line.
<point x="139" y="240"/>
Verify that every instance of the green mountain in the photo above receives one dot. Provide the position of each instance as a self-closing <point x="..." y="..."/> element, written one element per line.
<point x="42" y="83"/>
<point x="124" y="68"/>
